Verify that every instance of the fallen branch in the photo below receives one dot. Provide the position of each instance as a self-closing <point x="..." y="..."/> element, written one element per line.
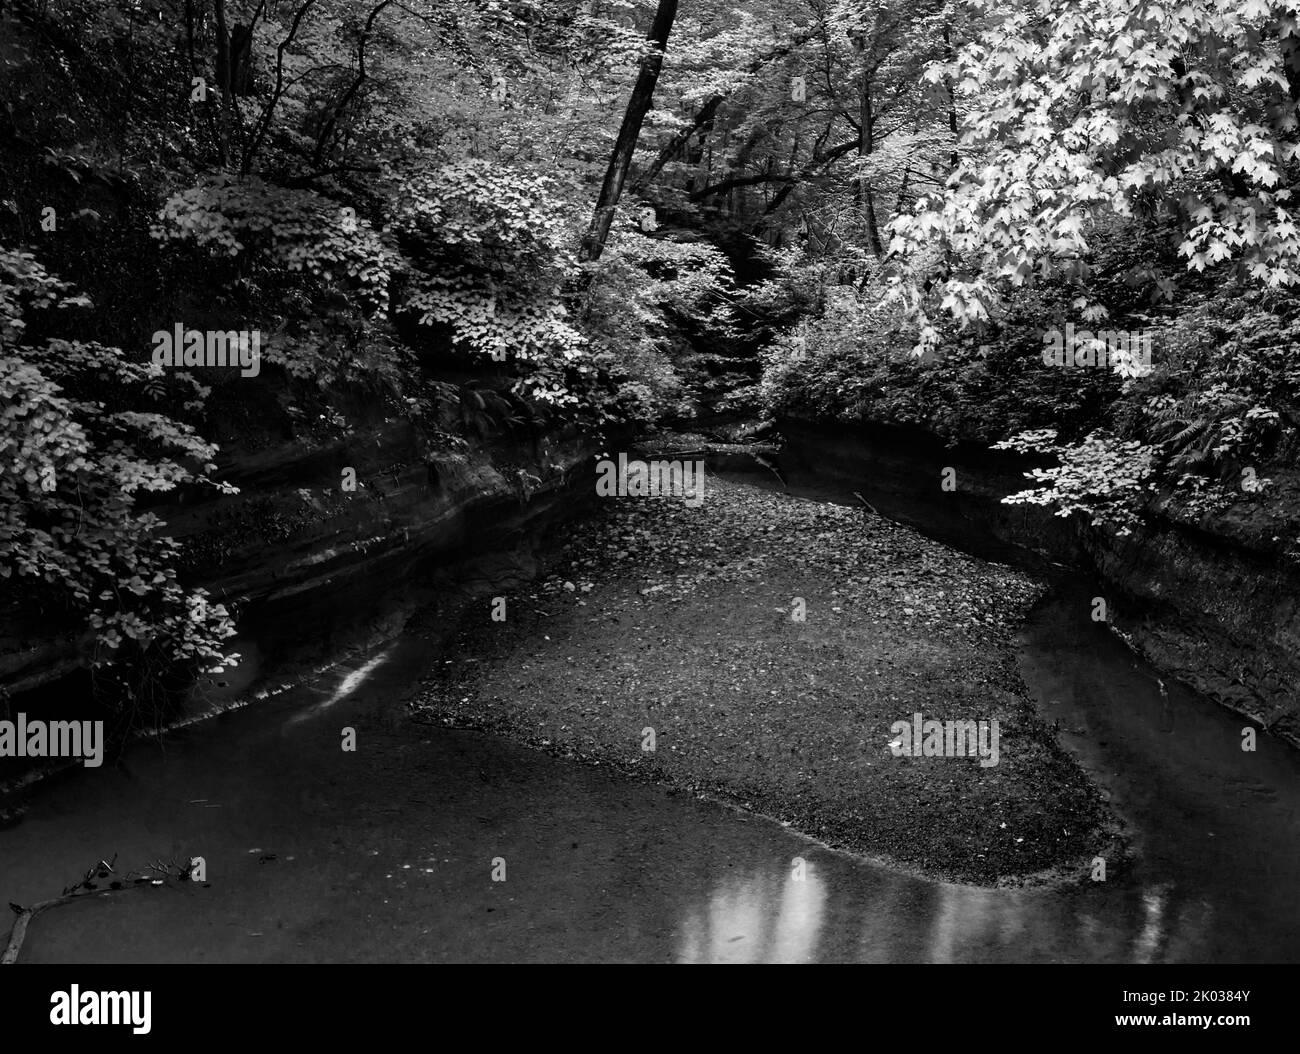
<point x="80" y="891"/>
<point x="25" y="916"/>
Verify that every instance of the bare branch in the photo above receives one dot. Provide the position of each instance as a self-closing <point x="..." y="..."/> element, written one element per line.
<point x="353" y="88"/>
<point x="264" y="122"/>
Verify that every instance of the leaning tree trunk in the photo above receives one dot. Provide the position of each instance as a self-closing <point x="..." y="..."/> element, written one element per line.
<point x="621" y="160"/>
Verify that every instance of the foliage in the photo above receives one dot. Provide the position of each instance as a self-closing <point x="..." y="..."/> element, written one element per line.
<point x="853" y="362"/>
<point x="794" y="286"/>
<point x="1220" y="403"/>
<point x="643" y="293"/>
<point x="1130" y="109"/>
<point x="1225" y="395"/>
<point x="73" y="457"/>
<point x="1101" y="477"/>
<point x="491" y="257"/>
<point x="289" y="229"/>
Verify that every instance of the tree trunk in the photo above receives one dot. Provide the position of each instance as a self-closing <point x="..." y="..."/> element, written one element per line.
<point x="866" y="145"/>
<point x="621" y="159"/>
<point x="952" y="97"/>
<point x="217" y="141"/>
<point x="223" y="80"/>
<point x="862" y="193"/>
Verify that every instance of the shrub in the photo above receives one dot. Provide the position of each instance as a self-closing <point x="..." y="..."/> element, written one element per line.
<point x="75" y="452"/>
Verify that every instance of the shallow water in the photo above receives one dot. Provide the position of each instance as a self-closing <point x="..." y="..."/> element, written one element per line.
<point x="386" y="854"/>
<point x="1216" y="828"/>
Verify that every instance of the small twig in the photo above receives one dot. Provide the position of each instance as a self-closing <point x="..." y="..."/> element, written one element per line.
<point x="865" y="502"/>
<point x="771" y="468"/>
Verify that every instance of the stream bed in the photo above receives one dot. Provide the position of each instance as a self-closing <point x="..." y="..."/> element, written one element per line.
<point x="388" y="853"/>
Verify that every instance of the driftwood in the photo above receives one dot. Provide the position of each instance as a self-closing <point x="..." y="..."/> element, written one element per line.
<point x="80" y="891"/>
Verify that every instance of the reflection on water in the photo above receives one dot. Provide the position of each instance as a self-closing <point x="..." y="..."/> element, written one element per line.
<point x="351" y="682"/>
<point x="847" y="911"/>
<point x="1149" y="941"/>
<point x="761" y="918"/>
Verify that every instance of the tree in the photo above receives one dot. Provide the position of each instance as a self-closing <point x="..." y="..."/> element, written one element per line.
<point x="593" y="244"/>
<point x="1110" y="107"/>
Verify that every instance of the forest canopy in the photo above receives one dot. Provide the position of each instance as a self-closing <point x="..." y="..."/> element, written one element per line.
<point x="613" y="214"/>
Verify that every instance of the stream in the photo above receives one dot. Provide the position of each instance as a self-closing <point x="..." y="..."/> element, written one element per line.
<point x="387" y="854"/>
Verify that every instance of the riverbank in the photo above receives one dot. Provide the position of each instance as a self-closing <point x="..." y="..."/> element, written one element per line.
<point x="1210" y="600"/>
<point x="683" y="622"/>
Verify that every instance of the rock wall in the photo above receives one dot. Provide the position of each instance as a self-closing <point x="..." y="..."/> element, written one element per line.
<point x="310" y="567"/>
<point x="1209" y="600"/>
<point x="1215" y="610"/>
